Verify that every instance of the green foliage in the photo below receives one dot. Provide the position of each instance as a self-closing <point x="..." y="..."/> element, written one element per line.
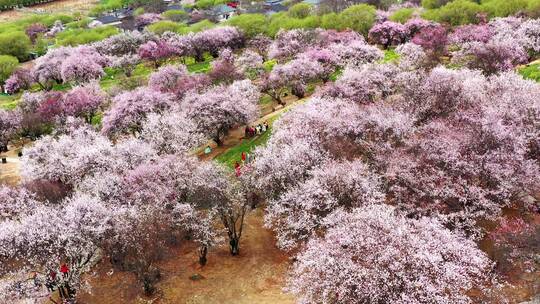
<point x="9" y="102"/>
<point x="166" y="26"/>
<point x="16" y="44"/>
<point x="455" y="13"/>
<point x="330" y="21"/>
<point x="138" y="11"/>
<point x="79" y="24"/>
<point x="199" y="67"/>
<point x="531" y="71"/>
<point x="206" y="4"/>
<point x="358" y="17"/>
<point x="8" y="64"/>
<point x="198" y="27"/>
<point x="269" y="65"/>
<point x="83" y="36"/>
<point x="96" y="119"/>
<point x="234" y="154"/>
<point x="300" y="10"/>
<point x="282" y="20"/>
<point x="503" y="8"/>
<point x="175" y="15"/>
<point x="250" y="24"/>
<point x="402" y="15"/>
<point x="533" y="8"/>
<point x="431" y="4"/>
<point x="390" y="56"/>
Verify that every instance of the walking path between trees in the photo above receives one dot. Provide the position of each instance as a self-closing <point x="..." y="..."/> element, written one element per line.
<point x="235" y="136"/>
<point x="256" y="275"/>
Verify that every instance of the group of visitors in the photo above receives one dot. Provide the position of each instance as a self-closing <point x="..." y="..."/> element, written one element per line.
<point x="57" y="281"/>
<point x="246" y="158"/>
<point x="251" y="131"/>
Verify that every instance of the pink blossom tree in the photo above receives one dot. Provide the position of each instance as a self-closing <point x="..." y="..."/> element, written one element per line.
<point x="250" y="63"/>
<point x="388" y="34"/>
<point x="301" y="212"/>
<point x="129" y="110"/>
<point x="47" y="69"/>
<point x="21" y="79"/>
<point x="166" y="78"/>
<point x="146" y="19"/>
<point x="260" y="44"/>
<point x="83" y="65"/>
<point x="216" y="39"/>
<point x="289" y="43"/>
<point x="84" y="101"/>
<point x="224" y="69"/>
<point x="126" y="63"/>
<point x="416" y="25"/>
<point x="372" y="254"/>
<point x="126" y="43"/>
<point x="33" y="30"/>
<point x="470" y="33"/>
<point x="221" y="108"/>
<point x="356" y="53"/>
<point x="433" y="39"/>
<point x="171" y="133"/>
<point x="156" y="51"/>
<point x="491" y="57"/>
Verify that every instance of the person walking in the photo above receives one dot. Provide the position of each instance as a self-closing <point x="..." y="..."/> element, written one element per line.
<point x="243" y="157"/>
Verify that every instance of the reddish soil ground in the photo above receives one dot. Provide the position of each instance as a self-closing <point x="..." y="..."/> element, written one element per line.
<point x="60" y="6"/>
<point x="255" y="276"/>
<point x="9" y="172"/>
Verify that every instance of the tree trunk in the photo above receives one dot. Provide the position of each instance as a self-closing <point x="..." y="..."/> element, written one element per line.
<point x="202" y="255"/>
<point x="234" y="246"/>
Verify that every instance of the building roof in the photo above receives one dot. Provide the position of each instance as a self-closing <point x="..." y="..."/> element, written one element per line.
<point x="174" y="7"/>
<point x="108" y="19"/>
<point x="277" y="8"/>
<point x="222" y="9"/>
<point x="313" y="2"/>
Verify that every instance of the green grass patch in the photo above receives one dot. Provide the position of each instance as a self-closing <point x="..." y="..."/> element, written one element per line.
<point x="8" y="102"/>
<point x="234" y="154"/>
<point x="199" y="67"/>
<point x="531" y="72"/>
<point x="390" y="56"/>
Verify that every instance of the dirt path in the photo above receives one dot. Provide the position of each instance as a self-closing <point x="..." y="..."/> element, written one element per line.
<point x="255" y="276"/>
<point x="10" y="172"/>
<point x="236" y="136"/>
<point x="60" y="6"/>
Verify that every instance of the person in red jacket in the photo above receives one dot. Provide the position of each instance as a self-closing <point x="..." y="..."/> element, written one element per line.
<point x="64" y="269"/>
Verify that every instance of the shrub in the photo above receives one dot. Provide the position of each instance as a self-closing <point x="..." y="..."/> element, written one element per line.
<point x="300" y="10"/>
<point x="8" y="64"/>
<point x="250" y="24"/>
<point x="503" y="8"/>
<point x="166" y="26"/>
<point x="431" y="4"/>
<point x="458" y="12"/>
<point x="388" y="33"/>
<point x="533" y="8"/>
<point x="175" y="15"/>
<point x="358" y="17"/>
<point x="16" y="44"/>
<point x="84" y="36"/>
<point x="402" y="15"/>
<point x="531" y="72"/>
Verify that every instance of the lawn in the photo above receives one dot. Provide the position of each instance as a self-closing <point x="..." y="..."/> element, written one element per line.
<point x="233" y="155"/>
<point x="531" y="72"/>
<point x="8" y="102"/>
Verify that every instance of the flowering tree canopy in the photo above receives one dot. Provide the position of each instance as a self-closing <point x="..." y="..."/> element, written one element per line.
<point x="372" y="254"/>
